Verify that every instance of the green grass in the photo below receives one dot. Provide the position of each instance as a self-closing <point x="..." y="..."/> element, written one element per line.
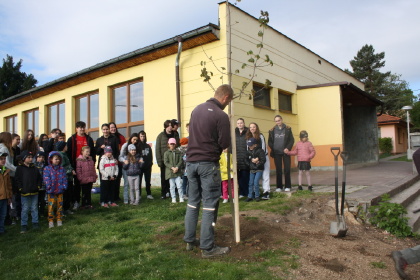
<point x="380" y="265"/>
<point x="132" y="243"/>
<point x="384" y="155"/>
<point x="402" y="158"/>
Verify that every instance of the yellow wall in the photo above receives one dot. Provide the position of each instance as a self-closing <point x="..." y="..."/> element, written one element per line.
<point x="316" y="110"/>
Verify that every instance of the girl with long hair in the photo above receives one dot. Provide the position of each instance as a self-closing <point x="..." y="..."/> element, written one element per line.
<point x="254" y="132"/>
<point x="29" y="143"/>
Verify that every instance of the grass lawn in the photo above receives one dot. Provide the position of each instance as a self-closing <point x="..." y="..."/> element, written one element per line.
<point x="126" y="243"/>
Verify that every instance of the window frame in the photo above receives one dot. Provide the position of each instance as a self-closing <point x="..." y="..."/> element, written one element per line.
<point x="263" y="90"/>
<point x="88" y="129"/>
<point x="127" y="125"/>
<point x="14" y="123"/>
<point x="290" y="96"/>
<point x="49" y="106"/>
<point x="34" y="124"/>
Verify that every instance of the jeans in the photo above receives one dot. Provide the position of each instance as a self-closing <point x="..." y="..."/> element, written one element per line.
<point x="133" y="181"/>
<point x="3" y="211"/>
<point x="279" y="159"/>
<point x="175" y="183"/>
<point x="126" y="185"/>
<point x="185" y="185"/>
<point x="243" y="181"/>
<point x="29" y="203"/>
<point x="204" y="184"/>
<point x="254" y="184"/>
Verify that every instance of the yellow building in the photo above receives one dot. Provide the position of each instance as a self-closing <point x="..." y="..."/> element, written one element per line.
<point x="138" y="90"/>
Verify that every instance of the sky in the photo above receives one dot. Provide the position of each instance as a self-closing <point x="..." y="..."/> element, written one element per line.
<point x="58" y="38"/>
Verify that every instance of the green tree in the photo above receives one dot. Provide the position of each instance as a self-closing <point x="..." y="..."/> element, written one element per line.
<point x="366" y="68"/>
<point x="385" y="86"/>
<point x="12" y="80"/>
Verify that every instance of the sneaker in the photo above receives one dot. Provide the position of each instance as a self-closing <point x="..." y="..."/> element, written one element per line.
<point x="310" y="188"/>
<point x="50" y="224"/>
<point x="35" y="226"/>
<point x="215" y="252"/>
<point x="241" y="196"/>
<point x="248" y="199"/>
<point x="59" y="223"/>
<point x="23" y="229"/>
<point x="135" y="203"/>
<point x="287" y="189"/>
<point x="400" y="263"/>
<point x="150" y="196"/>
<point x="257" y="199"/>
<point x="113" y="204"/>
<point x="192" y="245"/>
<point x="75" y="206"/>
<point x="278" y="190"/>
<point x="185" y="197"/>
<point x="167" y="194"/>
<point x="105" y="205"/>
<point x="68" y="212"/>
<point x="225" y="201"/>
<point x="173" y="200"/>
<point x="266" y="196"/>
<point x="300" y="188"/>
<point x="181" y="200"/>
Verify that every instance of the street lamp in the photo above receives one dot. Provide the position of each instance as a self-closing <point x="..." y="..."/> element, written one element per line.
<point x="407" y="109"/>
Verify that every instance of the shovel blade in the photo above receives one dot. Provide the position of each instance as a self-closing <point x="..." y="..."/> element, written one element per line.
<point x="339" y="228"/>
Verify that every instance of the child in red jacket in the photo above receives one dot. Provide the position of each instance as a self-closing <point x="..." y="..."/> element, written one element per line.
<point x="86" y="174"/>
<point x="305" y="152"/>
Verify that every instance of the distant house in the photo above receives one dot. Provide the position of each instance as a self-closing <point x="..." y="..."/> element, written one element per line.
<point x="139" y="90"/>
<point x="395" y="128"/>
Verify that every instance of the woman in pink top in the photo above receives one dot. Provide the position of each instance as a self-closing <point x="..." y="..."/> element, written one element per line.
<point x="305" y="152"/>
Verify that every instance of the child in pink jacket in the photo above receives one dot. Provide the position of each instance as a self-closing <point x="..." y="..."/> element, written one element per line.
<point x="86" y="174"/>
<point x="305" y="152"/>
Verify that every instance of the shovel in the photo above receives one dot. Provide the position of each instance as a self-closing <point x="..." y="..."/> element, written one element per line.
<point x="339" y="228"/>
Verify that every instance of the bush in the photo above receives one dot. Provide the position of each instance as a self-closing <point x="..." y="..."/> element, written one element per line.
<point x="385" y="145"/>
<point x="390" y="217"/>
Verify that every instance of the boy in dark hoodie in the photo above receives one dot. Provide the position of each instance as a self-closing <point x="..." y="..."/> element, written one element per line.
<point x="55" y="181"/>
<point x="40" y="164"/>
<point x="256" y="160"/>
<point x="28" y="181"/>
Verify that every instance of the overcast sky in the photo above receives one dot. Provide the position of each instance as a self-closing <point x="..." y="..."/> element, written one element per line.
<point x="57" y="38"/>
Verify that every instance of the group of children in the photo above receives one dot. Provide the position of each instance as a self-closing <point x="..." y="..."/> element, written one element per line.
<point x="255" y="160"/>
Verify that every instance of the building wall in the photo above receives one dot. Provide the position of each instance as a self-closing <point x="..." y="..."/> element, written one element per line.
<point x="398" y="135"/>
<point x="316" y="110"/>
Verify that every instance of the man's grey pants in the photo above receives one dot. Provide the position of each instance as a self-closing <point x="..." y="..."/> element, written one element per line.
<point x="204" y="183"/>
<point x="411" y="255"/>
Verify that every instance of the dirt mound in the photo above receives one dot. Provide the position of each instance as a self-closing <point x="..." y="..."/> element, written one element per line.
<point x="303" y="242"/>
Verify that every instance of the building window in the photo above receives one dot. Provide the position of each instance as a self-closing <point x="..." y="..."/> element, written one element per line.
<point x="87" y="110"/>
<point x="57" y="116"/>
<point x="11" y="124"/>
<point x="285" y="101"/>
<point x="128" y="107"/>
<point x="32" y="121"/>
<point x="261" y="96"/>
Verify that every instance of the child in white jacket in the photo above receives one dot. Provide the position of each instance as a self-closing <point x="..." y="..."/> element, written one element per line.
<point x="108" y="167"/>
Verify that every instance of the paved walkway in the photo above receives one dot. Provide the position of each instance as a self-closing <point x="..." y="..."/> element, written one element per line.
<point x="364" y="184"/>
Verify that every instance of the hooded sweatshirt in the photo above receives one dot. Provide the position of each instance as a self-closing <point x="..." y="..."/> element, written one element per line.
<point x="55" y="178"/>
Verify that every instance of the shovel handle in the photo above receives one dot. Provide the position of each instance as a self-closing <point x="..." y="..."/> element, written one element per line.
<point x="335" y="154"/>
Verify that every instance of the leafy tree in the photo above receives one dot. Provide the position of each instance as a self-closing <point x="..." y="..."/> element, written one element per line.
<point x="387" y="87"/>
<point x="12" y="80"/>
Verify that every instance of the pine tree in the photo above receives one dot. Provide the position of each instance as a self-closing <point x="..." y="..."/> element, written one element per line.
<point x="12" y="80"/>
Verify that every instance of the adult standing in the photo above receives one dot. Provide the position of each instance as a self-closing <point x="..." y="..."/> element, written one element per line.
<point x="146" y="169"/>
<point x="280" y="141"/>
<point x="254" y="132"/>
<point x="106" y="140"/>
<point x="209" y="136"/>
<point x="121" y="140"/>
<point x="75" y="143"/>
<point x="241" y="157"/>
<point x="161" y="148"/>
